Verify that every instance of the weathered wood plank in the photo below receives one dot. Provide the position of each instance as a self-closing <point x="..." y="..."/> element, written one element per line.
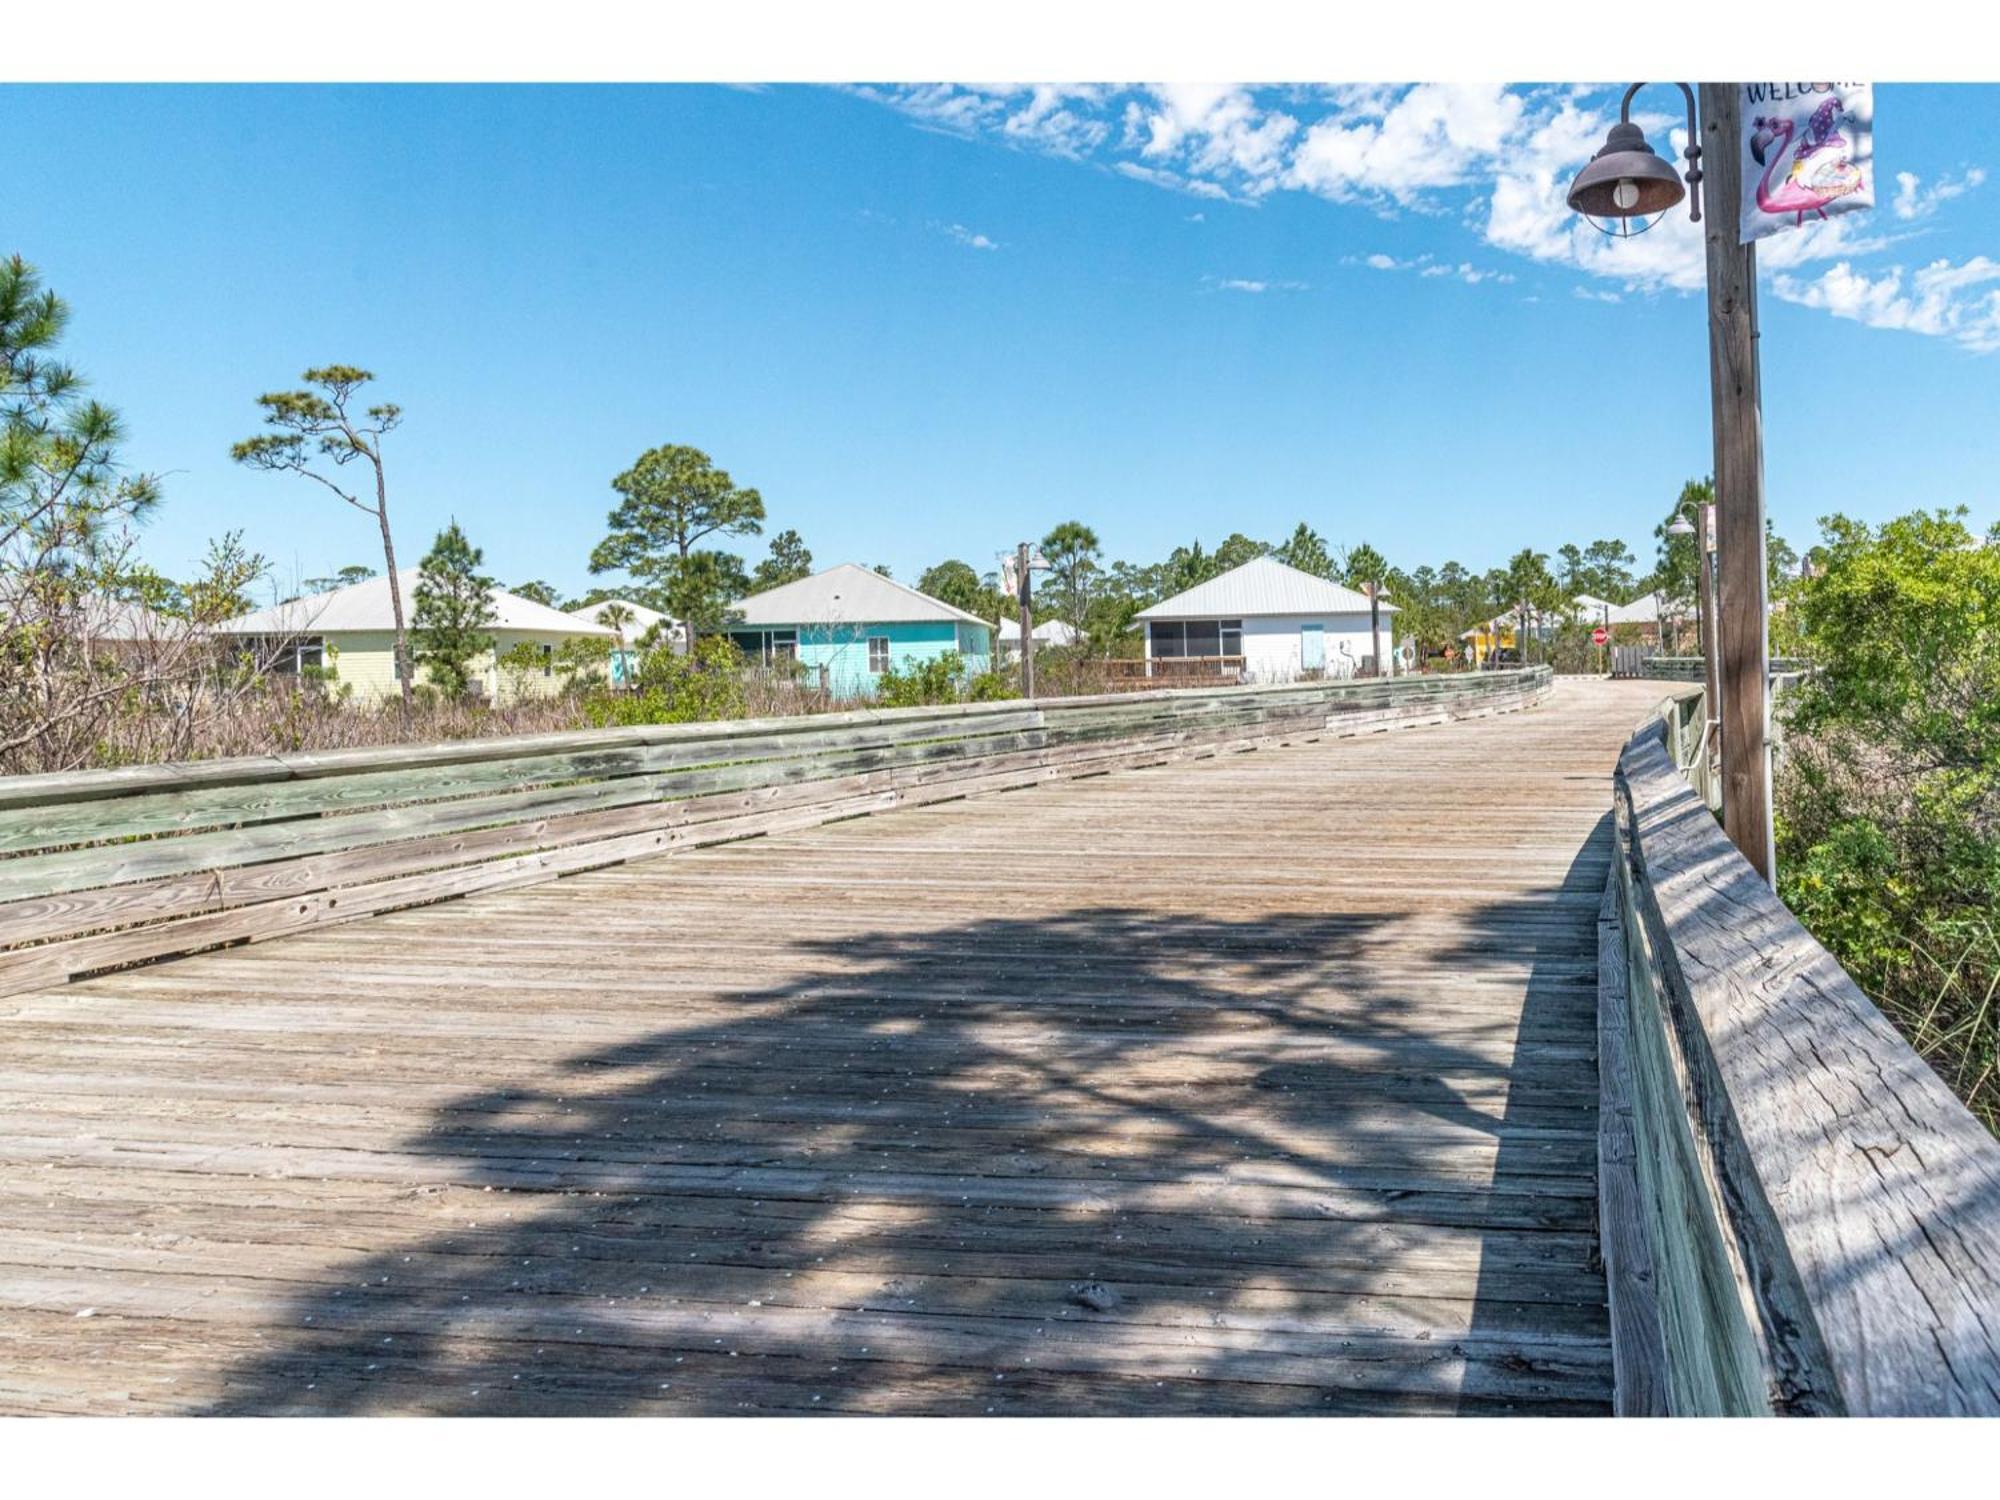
<point x="1855" y="1198"/>
<point x="870" y="1102"/>
<point x="156" y="881"/>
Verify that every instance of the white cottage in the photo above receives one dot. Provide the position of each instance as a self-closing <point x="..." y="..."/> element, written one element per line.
<point x="1270" y="621"/>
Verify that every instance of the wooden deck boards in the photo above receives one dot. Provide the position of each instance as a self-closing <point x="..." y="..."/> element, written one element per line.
<point x="1293" y="1052"/>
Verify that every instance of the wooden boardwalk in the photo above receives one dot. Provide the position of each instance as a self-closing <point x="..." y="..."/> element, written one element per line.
<point x="1257" y="1084"/>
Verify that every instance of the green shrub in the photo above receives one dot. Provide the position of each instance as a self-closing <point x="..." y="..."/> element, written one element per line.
<point x="1888" y="795"/>
<point x="670" y="688"/>
<point x="991" y="687"/>
<point x="939" y="680"/>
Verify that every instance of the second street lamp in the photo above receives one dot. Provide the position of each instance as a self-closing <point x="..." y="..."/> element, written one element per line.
<point x="1627" y="181"/>
<point x="1703" y="527"/>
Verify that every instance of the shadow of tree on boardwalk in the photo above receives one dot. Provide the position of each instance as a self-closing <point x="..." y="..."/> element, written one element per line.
<point x="1105" y="1161"/>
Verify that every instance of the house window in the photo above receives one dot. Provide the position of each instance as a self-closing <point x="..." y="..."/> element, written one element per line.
<point x="878" y="654"/>
<point x="308" y="652"/>
<point x="548" y="660"/>
<point x="1196" y="637"/>
<point x="767" y="646"/>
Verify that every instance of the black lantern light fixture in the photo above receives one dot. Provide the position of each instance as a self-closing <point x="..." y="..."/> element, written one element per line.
<point x="1628" y="187"/>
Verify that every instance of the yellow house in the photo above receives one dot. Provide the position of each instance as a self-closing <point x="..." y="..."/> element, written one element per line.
<point x="350" y="633"/>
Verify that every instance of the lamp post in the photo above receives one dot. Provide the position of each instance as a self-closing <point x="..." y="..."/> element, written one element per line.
<point x="1702" y="526"/>
<point x="1628" y="181"/>
<point x="1027" y="560"/>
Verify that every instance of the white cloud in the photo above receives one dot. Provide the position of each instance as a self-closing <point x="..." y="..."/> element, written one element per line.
<point x="1500" y="159"/>
<point x="1056" y="118"/>
<point x="1427" y="266"/>
<point x="1246" y="284"/>
<point x="1592" y="294"/>
<point x="1435" y="136"/>
<point x="1957" y="301"/>
<point x="969" y="238"/>
<point x="1915" y="201"/>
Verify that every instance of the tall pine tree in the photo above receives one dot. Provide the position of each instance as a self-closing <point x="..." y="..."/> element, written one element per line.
<point x="454" y="607"/>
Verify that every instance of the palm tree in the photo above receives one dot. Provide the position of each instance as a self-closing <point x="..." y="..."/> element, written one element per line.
<point x="615" y="617"/>
<point x="1368" y="570"/>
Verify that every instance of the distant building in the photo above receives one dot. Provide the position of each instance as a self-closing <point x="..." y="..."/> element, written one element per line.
<point x="849" y="625"/>
<point x="1642" y="614"/>
<point x="1048" y="633"/>
<point x="639" y="621"/>
<point x="1267" y="622"/>
<point x="353" y="630"/>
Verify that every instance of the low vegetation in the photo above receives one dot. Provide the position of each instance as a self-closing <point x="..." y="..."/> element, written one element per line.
<point x="1889" y="790"/>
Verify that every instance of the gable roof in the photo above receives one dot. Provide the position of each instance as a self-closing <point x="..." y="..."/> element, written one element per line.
<point x="1644" y="610"/>
<point x="1590" y="610"/>
<point x="643" y="619"/>
<point x="365" y="606"/>
<point x="1048" y="633"/>
<point x="1262" y="586"/>
<point x="846" y="593"/>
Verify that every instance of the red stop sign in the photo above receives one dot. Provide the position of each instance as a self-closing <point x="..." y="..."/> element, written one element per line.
<point x="1599" y="636"/>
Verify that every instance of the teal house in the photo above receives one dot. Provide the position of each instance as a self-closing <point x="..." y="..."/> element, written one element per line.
<point x="849" y="625"/>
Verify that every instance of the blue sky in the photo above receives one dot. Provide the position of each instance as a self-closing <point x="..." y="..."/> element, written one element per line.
<point x="928" y="322"/>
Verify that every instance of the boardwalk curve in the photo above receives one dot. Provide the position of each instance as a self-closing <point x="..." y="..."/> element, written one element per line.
<point x="1263" y="1083"/>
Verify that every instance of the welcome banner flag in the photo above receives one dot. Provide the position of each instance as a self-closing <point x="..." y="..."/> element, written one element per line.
<point x="1808" y="153"/>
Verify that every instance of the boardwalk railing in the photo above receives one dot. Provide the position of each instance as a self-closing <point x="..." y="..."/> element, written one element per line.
<point x="1797" y="1216"/>
<point x="105" y="868"/>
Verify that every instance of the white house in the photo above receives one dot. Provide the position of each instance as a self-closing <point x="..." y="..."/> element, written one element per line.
<point x="636" y="622"/>
<point x="350" y="632"/>
<point x="1270" y="621"/>
<point x="638" y="618"/>
<point x="1048" y="633"/>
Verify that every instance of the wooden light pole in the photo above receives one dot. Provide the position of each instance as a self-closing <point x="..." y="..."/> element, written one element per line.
<point x="1705" y="560"/>
<point x="1023" y="572"/>
<point x="1628" y="180"/>
<point x="1742" y="655"/>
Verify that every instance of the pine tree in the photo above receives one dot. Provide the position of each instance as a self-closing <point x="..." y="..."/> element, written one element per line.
<point x="454" y="607"/>
<point x="318" y="423"/>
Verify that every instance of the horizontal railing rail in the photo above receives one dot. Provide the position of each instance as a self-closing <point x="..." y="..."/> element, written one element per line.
<point x="1796" y="1214"/>
<point x="99" y="869"/>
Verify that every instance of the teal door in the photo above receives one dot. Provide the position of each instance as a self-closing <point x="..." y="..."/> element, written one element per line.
<point x="1312" y="647"/>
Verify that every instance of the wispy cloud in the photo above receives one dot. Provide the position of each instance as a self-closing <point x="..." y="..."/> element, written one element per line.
<point x="1945" y="299"/>
<point x="1245" y="284"/>
<point x="1430" y="268"/>
<point x="1498" y="159"/>
<point x="969" y="238"/>
<point x="1915" y="201"/>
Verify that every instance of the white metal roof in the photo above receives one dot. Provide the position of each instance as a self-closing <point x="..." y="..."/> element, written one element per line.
<point x="846" y="593"/>
<point x="1644" y="610"/>
<point x="642" y="620"/>
<point x="1590" y="610"/>
<point x="365" y="606"/>
<point x="1048" y="633"/>
<point x="1262" y="586"/>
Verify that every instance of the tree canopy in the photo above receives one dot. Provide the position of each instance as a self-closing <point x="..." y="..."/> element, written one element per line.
<point x="454" y="609"/>
<point x="672" y="499"/>
<point x="1307" y="551"/>
<point x="789" y="561"/>
<point x="315" y="434"/>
